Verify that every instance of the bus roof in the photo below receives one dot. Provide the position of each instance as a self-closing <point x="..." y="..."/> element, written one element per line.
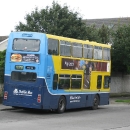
<point x="65" y="39"/>
<point x="78" y="40"/>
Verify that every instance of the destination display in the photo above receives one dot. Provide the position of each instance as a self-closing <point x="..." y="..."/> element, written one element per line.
<point x="19" y="67"/>
<point x="30" y="67"/>
<point x="24" y="58"/>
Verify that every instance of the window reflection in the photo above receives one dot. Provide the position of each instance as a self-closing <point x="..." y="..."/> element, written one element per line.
<point x="77" y="50"/>
<point x="88" y="51"/>
<point x="65" y="48"/>
<point x="26" y="45"/>
<point x="98" y="53"/>
<point x="53" y="48"/>
<point x="24" y="76"/>
<point x="106" y="54"/>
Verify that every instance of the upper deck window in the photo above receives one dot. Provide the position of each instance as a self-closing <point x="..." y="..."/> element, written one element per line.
<point x="32" y="45"/>
<point x="65" y="48"/>
<point x="53" y="47"/>
<point x="98" y="53"/>
<point x="106" y="54"/>
<point x="77" y="50"/>
<point x="88" y="51"/>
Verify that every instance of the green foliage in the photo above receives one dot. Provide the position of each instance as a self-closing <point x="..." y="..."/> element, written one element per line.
<point x="92" y="33"/>
<point x="1" y="91"/>
<point x="2" y="64"/>
<point x="100" y="35"/>
<point x="104" y="34"/>
<point x="1" y="75"/>
<point x="61" y="21"/>
<point x="121" y="49"/>
<point x="55" y="20"/>
<point x="124" y="101"/>
<point x="2" y="58"/>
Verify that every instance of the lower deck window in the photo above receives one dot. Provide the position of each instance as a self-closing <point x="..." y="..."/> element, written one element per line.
<point x="106" y="81"/>
<point x="76" y="81"/>
<point x="64" y="81"/>
<point x="24" y="76"/>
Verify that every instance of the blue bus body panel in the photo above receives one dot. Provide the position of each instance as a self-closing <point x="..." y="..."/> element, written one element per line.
<point x="40" y="66"/>
<point x="23" y="94"/>
<point x="49" y="101"/>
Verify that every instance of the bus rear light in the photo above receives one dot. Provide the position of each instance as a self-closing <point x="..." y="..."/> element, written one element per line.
<point x="39" y="98"/>
<point x="5" y="95"/>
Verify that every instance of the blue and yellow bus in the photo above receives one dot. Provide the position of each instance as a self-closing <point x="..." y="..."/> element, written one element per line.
<point x="49" y="72"/>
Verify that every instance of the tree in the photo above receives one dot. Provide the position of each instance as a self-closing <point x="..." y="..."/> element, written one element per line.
<point x="2" y="58"/>
<point x="2" y="64"/>
<point x="104" y="34"/>
<point x="55" y="20"/>
<point x="121" y="49"/>
<point x="101" y="35"/>
<point x="92" y="33"/>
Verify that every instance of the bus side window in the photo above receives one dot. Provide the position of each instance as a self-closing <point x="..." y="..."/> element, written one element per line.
<point x="106" y="54"/>
<point x="76" y="81"/>
<point x="98" y="53"/>
<point x="53" y="47"/>
<point x="55" y="81"/>
<point x="88" y="51"/>
<point x="64" y="81"/>
<point x="106" y="81"/>
<point x="77" y="50"/>
<point x="65" y="48"/>
<point x="99" y="82"/>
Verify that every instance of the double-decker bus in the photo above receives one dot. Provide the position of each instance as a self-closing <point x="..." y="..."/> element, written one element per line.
<point x="44" y="71"/>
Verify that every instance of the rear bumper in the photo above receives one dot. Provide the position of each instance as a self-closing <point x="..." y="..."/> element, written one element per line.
<point x="22" y="105"/>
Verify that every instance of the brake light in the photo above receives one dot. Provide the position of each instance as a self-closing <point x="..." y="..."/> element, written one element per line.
<point x="39" y="98"/>
<point x="5" y="95"/>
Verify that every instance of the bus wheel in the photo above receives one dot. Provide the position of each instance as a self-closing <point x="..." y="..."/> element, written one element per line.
<point x="95" y="102"/>
<point x="61" y="105"/>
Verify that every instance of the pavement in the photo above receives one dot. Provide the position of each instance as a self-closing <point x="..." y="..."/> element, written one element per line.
<point x="112" y="101"/>
<point x="2" y="107"/>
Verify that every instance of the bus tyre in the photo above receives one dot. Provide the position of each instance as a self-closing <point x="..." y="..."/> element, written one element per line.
<point x="61" y="105"/>
<point x="95" y="102"/>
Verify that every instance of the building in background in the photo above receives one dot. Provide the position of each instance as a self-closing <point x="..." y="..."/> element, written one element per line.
<point x="3" y="42"/>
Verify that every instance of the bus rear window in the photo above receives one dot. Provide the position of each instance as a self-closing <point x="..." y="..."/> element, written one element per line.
<point x="26" y="45"/>
<point x="24" y="76"/>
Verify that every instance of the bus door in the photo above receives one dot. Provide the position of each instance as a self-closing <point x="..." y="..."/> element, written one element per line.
<point x="103" y="85"/>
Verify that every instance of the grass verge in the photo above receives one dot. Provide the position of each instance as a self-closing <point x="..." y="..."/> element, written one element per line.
<point x="125" y="101"/>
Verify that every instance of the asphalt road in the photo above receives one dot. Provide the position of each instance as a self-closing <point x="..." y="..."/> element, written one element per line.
<point x="111" y="117"/>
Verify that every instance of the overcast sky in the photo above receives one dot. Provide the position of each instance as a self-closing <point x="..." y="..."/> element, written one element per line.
<point x="13" y="11"/>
